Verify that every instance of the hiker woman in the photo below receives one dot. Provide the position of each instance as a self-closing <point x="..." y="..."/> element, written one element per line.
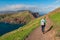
<point x="43" y="23"/>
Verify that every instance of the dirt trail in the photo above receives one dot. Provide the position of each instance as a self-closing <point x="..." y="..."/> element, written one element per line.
<point x="38" y="35"/>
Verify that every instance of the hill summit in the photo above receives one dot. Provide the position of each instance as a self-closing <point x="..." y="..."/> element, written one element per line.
<point x="56" y="10"/>
<point x="19" y="17"/>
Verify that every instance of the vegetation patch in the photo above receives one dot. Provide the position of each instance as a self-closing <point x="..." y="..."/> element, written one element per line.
<point x="56" y="20"/>
<point x="23" y="32"/>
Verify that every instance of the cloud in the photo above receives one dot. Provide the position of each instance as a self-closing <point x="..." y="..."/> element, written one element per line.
<point x="10" y="7"/>
<point x="50" y="7"/>
<point x="57" y="1"/>
<point x="17" y="7"/>
<point x="40" y="8"/>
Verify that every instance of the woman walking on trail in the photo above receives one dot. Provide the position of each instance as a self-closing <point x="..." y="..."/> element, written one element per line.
<point x="43" y="23"/>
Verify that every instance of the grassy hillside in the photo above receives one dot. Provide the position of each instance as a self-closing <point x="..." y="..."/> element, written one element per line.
<point x="56" y="20"/>
<point x="23" y="32"/>
<point x="19" y="17"/>
<point x="4" y="15"/>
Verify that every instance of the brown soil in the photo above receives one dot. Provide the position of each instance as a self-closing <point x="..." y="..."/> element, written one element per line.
<point x="38" y="35"/>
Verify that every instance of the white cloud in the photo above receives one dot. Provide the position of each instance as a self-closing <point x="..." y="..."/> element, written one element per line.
<point x="50" y="7"/>
<point x="57" y="0"/>
<point x="10" y="7"/>
<point x="40" y="8"/>
<point x="16" y="7"/>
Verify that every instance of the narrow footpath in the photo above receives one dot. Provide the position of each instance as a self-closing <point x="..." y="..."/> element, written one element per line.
<point x="38" y="35"/>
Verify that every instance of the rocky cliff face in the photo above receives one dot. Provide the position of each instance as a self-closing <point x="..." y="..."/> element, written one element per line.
<point x="36" y="15"/>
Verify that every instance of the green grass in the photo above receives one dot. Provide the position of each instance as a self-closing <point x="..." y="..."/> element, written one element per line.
<point x="56" y="20"/>
<point x="23" y="32"/>
<point x="23" y="17"/>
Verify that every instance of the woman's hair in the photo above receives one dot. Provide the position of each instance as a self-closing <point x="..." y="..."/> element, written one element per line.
<point x="44" y="17"/>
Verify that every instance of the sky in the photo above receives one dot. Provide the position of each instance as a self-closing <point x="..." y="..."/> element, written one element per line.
<point x="36" y="5"/>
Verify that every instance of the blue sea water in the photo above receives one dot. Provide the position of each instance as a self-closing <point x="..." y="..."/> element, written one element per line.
<point x="7" y="27"/>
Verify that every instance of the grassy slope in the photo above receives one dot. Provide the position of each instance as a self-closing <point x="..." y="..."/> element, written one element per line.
<point x="56" y="20"/>
<point x="23" y="16"/>
<point x="23" y="32"/>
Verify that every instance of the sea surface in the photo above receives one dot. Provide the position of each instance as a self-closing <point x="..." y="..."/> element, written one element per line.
<point x="7" y="27"/>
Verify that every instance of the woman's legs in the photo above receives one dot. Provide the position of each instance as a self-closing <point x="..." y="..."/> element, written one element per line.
<point x="43" y="28"/>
